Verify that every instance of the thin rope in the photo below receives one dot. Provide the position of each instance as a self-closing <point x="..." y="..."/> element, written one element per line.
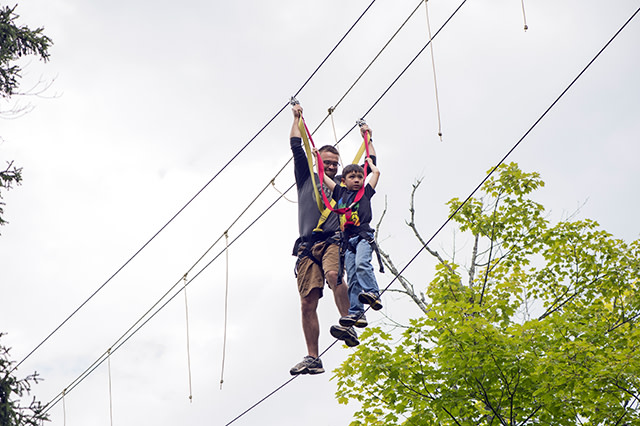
<point x="335" y="135"/>
<point x="433" y="65"/>
<point x="471" y="194"/>
<point x="273" y="183"/>
<point x="524" y="16"/>
<point x="226" y="308"/>
<point x="194" y="197"/>
<point x="64" y="409"/>
<point x="186" y="313"/>
<point x="110" y="394"/>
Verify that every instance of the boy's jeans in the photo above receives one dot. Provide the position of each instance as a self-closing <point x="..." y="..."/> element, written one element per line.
<point x="360" y="276"/>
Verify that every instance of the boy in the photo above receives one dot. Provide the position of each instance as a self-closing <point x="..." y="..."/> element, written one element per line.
<point x="358" y="235"/>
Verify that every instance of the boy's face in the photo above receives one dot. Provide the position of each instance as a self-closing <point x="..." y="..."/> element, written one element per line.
<point x="353" y="180"/>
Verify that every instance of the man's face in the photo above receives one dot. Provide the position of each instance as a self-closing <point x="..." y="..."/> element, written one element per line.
<point x="353" y="181"/>
<point x="330" y="161"/>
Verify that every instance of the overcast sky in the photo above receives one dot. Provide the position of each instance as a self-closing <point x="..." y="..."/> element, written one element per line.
<point x="151" y="99"/>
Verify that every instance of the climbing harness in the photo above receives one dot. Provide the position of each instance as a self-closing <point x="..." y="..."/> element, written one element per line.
<point x="303" y="248"/>
<point x="363" y="235"/>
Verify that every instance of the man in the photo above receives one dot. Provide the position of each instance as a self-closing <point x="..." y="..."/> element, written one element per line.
<point x="318" y="252"/>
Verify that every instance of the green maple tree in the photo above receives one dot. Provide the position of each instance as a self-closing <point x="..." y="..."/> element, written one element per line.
<point x="541" y="328"/>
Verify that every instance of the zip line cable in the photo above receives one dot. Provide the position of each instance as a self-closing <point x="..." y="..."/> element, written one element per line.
<point x="139" y="324"/>
<point x="513" y="148"/>
<point x="194" y="197"/>
<point x="331" y="110"/>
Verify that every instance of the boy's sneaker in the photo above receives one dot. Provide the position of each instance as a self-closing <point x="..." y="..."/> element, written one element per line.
<point x="358" y="320"/>
<point x="348" y="334"/>
<point x="370" y="299"/>
<point x="309" y="365"/>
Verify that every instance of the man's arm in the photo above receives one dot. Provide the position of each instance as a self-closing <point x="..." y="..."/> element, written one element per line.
<point x="301" y="168"/>
<point x="297" y="113"/>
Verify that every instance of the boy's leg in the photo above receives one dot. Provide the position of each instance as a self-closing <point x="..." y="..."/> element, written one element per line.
<point x="364" y="268"/>
<point x="355" y="306"/>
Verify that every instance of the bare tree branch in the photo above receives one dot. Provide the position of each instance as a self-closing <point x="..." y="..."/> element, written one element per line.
<point x="412" y="225"/>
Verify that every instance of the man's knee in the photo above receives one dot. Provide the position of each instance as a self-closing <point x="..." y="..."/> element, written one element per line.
<point x="309" y="303"/>
<point x="332" y="278"/>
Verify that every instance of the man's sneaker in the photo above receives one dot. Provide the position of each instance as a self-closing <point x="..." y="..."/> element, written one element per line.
<point x="358" y="320"/>
<point x="370" y="299"/>
<point x="348" y="334"/>
<point x="309" y="365"/>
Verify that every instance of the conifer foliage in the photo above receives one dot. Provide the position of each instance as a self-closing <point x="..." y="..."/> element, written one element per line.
<point x="13" y="390"/>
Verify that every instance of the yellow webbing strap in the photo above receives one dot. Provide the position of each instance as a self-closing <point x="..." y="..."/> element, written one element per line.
<point x="358" y="156"/>
<point x="323" y="217"/>
<point x="307" y="148"/>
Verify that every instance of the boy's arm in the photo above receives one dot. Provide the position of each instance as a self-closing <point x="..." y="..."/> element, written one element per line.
<point x="366" y="129"/>
<point x="330" y="183"/>
<point x="375" y="173"/>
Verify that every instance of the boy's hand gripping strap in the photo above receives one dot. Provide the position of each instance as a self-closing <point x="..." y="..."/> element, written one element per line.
<point x="364" y="146"/>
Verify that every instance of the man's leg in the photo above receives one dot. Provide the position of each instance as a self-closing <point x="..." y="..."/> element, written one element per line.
<point x="310" y="323"/>
<point x="331" y="264"/>
<point x="340" y="292"/>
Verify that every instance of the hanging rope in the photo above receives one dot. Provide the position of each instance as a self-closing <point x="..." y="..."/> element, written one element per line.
<point x="186" y="312"/>
<point x="273" y="183"/>
<point x="524" y="16"/>
<point x="335" y="135"/>
<point x="64" y="409"/>
<point x="433" y="65"/>
<point x="226" y="310"/>
<point x="110" y="395"/>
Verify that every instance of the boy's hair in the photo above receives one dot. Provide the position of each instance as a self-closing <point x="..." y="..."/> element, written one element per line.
<point x="351" y="168"/>
<point x="329" y="148"/>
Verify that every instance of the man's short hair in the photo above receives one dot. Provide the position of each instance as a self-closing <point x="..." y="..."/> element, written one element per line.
<point x="351" y="168"/>
<point x="329" y="148"/>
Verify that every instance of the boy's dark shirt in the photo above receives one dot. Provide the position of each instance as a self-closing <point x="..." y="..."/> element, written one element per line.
<point x="361" y="212"/>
